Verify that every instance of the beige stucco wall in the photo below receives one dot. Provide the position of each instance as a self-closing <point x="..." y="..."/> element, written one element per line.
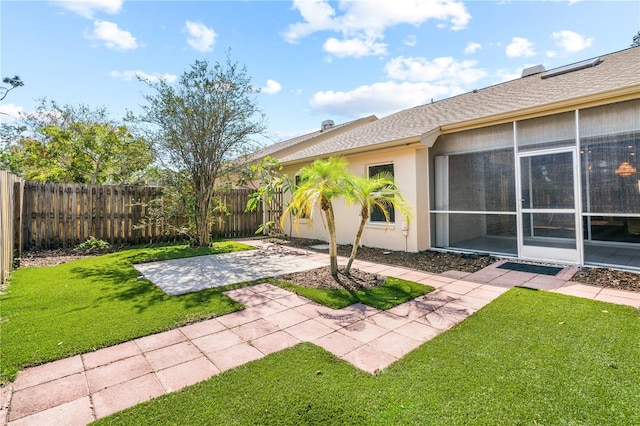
<point x="410" y="170"/>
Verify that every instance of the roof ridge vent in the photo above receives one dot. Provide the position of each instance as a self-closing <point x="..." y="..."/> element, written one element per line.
<point x="536" y="69"/>
<point x="572" y="67"/>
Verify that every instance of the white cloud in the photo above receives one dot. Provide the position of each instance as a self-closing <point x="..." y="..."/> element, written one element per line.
<point x="355" y="47"/>
<point x="444" y="70"/>
<point x="367" y="20"/>
<point x="571" y="41"/>
<point x="134" y="74"/>
<point x="271" y="88"/>
<point x="379" y="98"/>
<point x="10" y="112"/>
<point x="472" y="48"/>
<point x="112" y="36"/>
<point x="551" y="53"/>
<point x="520" y="47"/>
<point x="201" y="38"/>
<point x="318" y="15"/>
<point x="88" y="8"/>
<point x="411" y="41"/>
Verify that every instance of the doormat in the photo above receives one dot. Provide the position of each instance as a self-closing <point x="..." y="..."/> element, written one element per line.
<point x="532" y="269"/>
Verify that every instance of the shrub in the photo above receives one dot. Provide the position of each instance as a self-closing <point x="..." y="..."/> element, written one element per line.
<point x="93" y="244"/>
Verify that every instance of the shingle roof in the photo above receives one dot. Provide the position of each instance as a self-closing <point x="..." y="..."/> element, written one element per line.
<point x="305" y="140"/>
<point x="614" y="71"/>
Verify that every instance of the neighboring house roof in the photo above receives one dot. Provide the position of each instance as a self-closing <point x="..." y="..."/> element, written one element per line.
<point x="618" y="71"/>
<point x="283" y="148"/>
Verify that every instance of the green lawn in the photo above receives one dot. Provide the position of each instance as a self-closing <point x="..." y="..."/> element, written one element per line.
<point x="528" y="358"/>
<point x="53" y="312"/>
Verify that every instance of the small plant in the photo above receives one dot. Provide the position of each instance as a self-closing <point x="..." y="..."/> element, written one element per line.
<point x="93" y="244"/>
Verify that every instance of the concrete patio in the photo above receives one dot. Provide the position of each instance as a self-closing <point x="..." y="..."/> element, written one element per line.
<point x="80" y="389"/>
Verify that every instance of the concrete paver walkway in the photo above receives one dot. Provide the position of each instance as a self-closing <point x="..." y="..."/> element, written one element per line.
<point x="80" y="389"/>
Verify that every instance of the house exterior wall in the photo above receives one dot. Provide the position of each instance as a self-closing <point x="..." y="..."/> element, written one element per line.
<point x="410" y="176"/>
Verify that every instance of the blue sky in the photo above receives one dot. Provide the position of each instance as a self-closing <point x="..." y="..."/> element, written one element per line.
<point x="314" y="60"/>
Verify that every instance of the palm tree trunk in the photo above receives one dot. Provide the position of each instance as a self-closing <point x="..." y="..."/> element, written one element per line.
<point x="333" y="247"/>
<point x="356" y="244"/>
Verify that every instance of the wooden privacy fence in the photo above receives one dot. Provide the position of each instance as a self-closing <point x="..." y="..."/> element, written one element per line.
<point x="10" y="196"/>
<point x="63" y="215"/>
<point x="232" y="221"/>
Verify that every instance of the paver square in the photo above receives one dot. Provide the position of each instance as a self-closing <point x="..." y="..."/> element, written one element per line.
<point x="217" y="342"/>
<point x="117" y="372"/>
<point x="423" y="305"/>
<point x="360" y="309"/>
<point x="286" y="318"/>
<point x="604" y="297"/>
<point x="313" y="310"/>
<point x="47" y="395"/>
<point x="255" y="329"/>
<point x="238" y="293"/>
<point x="338" y="319"/>
<point x="543" y="282"/>
<point x="259" y="288"/>
<point x="369" y="359"/>
<point x="388" y="320"/>
<point x="273" y="292"/>
<point x="235" y="356"/>
<point x="293" y="300"/>
<point x="125" y="395"/>
<point x="418" y="331"/>
<point x="457" y="288"/>
<point x="186" y="374"/>
<point x="338" y="344"/>
<point x="410" y="311"/>
<point x="443" y="319"/>
<point x="395" y="344"/>
<point x="472" y="302"/>
<point x="275" y="342"/>
<point x="241" y="317"/>
<point x="171" y="355"/>
<point x="363" y="331"/>
<point x="251" y="299"/>
<point x="76" y="412"/>
<point x="111" y="354"/>
<point x="199" y="329"/>
<point x="157" y="341"/>
<point x="309" y="330"/>
<point x="48" y="372"/>
<point x="269" y="308"/>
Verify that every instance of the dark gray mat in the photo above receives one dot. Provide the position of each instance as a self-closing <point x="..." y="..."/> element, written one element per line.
<point x="530" y="268"/>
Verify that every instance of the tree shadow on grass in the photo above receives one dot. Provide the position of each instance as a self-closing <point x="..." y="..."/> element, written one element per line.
<point x="119" y="282"/>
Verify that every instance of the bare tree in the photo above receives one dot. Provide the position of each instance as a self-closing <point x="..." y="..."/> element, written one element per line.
<point x="200" y="125"/>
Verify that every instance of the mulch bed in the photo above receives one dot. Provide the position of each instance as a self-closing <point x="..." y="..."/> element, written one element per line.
<point x="439" y="262"/>
<point x="322" y="278"/>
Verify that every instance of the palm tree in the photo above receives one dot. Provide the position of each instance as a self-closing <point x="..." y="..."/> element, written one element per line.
<point x="380" y="192"/>
<point x="320" y="183"/>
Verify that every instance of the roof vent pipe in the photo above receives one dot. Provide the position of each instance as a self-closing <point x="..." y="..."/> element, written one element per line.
<point x="326" y="125"/>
